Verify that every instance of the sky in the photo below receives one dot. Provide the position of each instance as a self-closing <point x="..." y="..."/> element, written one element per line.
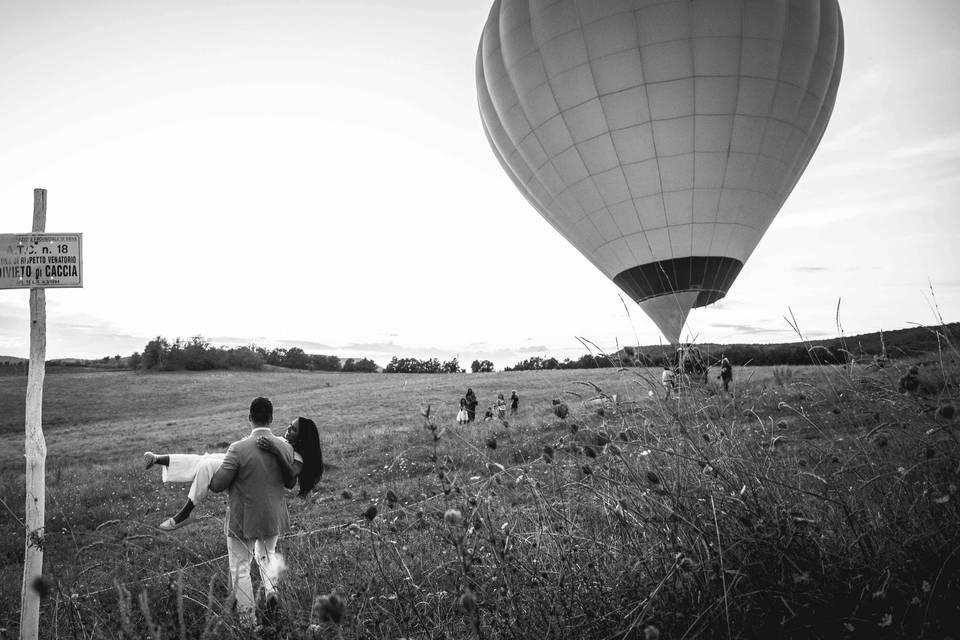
<point x="315" y="174"/>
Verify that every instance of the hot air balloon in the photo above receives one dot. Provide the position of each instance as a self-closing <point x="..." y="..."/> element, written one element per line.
<point x="660" y="137"/>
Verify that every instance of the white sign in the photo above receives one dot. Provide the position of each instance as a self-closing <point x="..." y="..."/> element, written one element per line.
<point x="41" y="260"/>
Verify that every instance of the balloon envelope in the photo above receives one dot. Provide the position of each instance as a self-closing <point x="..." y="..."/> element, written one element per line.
<point x="659" y="137"/>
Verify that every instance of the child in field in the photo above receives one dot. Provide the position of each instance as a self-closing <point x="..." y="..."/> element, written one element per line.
<point x="462" y="415"/>
<point x="560" y="409"/>
<point x="501" y="407"/>
<point x="668" y="380"/>
<point x="307" y="467"/>
<point x="514" y="402"/>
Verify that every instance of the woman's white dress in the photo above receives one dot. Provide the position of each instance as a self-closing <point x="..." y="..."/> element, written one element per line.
<point x="195" y="469"/>
<point x="198" y="470"/>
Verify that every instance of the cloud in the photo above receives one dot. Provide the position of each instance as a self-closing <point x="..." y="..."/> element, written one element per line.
<point x="772" y="331"/>
<point x="84" y="336"/>
<point x="931" y="150"/>
<point x="13" y="324"/>
<point x="379" y="347"/>
<point x="506" y="352"/>
<point x="306" y="345"/>
<point x="14" y="318"/>
<point x="747" y="333"/>
<point x="231" y="341"/>
<point x="817" y="335"/>
<point x="102" y="330"/>
<point x="853" y="137"/>
<point x="532" y="349"/>
<point x="366" y="349"/>
<point x="726" y="304"/>
<point x="834" y="210"/>
<point x="749" y="328"/>
<point x="922" y="285"/>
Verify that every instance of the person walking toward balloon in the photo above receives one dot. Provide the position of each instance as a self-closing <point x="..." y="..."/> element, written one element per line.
<point x="726" y="374"/>
<point x="668" y="379"/>
<point x="472" y="403"/>
<point x="500" y="407"/>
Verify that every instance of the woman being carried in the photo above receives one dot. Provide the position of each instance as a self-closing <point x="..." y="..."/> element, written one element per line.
<point x="307" y="467"/>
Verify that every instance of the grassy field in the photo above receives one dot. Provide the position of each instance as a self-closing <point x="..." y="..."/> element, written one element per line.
<point x="814" y="502"/>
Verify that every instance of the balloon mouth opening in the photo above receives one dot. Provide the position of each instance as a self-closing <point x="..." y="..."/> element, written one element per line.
<point x="710" y="277"/>
<point x="668" y="289"/>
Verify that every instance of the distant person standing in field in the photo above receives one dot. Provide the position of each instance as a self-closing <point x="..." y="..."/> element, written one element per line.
<point x="514" y="402"/>
<point x="500" y="407"/>
<point x="462" y="416"/>
<point x="726" y="374"/>
<point x="668" y="379"/>
<point x="472" y="403"/>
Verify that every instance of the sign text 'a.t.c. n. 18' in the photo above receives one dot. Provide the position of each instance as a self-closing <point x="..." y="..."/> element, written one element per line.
<point x="660" y="138"/>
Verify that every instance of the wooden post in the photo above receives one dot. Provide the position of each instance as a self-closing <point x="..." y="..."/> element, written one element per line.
<point x="36" y="448"/>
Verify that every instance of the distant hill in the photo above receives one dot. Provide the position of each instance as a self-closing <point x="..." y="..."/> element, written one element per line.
<point x="10" y="365"/>
<point x="899" y="343"/>
<point x="65" y="362"/>
<point x="864" y="347"/>
<point x="77" y="365"/>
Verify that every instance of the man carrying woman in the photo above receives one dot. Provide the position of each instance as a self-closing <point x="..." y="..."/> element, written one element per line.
<point x="254" y="471"/>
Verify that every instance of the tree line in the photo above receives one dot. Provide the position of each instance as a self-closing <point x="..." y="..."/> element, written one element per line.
<point x="197" y="354"/>
<point x="414" y="365"/>
<point x="432" y="365"/>
<point x="586" y="361"/>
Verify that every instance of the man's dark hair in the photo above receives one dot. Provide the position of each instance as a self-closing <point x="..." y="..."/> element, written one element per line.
<point x="261" y="411"/>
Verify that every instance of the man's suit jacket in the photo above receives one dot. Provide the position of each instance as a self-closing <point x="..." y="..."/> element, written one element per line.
<point x="256" y="507"/>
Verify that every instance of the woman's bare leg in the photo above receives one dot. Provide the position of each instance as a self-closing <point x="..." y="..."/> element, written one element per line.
<point x="187" y="467"/>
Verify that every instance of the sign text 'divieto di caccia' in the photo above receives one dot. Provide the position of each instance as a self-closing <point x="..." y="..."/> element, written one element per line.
<point x="45" y="260"/>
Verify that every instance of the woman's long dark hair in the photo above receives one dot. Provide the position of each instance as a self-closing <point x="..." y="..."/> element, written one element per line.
<point x="308" y="446"/>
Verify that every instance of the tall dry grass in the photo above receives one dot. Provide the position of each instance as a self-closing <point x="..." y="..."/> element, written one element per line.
<point x="822" y="504"/>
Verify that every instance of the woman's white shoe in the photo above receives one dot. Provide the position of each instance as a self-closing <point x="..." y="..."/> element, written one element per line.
<point x="170" y="524"/>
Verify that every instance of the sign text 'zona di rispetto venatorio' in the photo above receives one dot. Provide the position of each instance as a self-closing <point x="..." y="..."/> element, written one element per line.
<point x="29" y="260"/>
